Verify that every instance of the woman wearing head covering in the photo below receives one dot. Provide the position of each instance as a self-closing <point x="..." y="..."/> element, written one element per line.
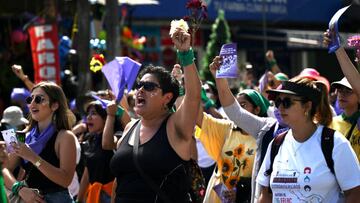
<point x="49" y="152"/>
<point x="233" y="149"/>
<point x="149" y="161"/>
<point x="300" y="170"/>
<point x="263" y="129"/>
<point x="348" y="122"/>
<point x="348" y="90"/>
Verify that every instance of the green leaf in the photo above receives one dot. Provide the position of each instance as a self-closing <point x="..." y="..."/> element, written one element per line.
<point x="235" y="168"/>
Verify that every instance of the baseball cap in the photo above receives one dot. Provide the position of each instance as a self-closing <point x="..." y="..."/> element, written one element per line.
<point x="342" y="82"/>
<point x="313" y="74"/>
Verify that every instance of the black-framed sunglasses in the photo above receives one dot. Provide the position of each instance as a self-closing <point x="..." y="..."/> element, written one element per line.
<point x="287" y="102"/>
<point x="38" y="99"/>
<point x="148" y="86"/>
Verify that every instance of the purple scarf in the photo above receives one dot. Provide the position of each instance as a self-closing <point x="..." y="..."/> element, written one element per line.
<point x="37" y="141"/>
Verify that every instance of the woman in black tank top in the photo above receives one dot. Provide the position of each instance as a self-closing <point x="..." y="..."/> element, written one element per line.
<point x="97" y="160"/>
<point x="155" y="172"/>
<point x="50" y="159"/>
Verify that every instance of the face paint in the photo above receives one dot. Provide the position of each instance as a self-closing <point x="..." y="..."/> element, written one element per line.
<point x="278" y="117"/>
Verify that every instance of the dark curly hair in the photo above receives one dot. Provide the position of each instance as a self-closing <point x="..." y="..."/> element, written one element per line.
<point x="166" y="81"/>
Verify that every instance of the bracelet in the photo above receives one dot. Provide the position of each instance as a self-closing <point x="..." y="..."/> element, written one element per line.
<point x="186" y="57"/>
<point x="16" y="187"/>
<point x="272" y="63"/>
<point x="181" y="91"/>
<point x="119" y="112"/>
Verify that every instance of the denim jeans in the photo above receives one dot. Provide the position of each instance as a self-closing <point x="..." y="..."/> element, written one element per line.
<point x="57" y="197"/>
<point x="104" y="197"/>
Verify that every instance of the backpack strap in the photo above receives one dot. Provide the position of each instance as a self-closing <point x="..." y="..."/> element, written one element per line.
<point x="327" y="145"/>
<point x="275" y="146"/>
<point x="267" y="138"/>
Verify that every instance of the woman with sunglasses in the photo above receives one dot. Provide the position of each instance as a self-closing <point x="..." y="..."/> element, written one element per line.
<point x="299" y="171"/>
<point x="263" y="129"/>
<point x="156" y="147"/>
<point x="234" y="150"/>
<point x="49" y="152"/>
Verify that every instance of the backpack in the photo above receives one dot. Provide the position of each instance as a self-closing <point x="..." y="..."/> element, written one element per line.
<point x="269" y="136"/>
<point x="327" y="145"/>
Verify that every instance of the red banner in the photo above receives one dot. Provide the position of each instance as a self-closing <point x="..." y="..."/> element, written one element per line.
<point x="45" y="53"/>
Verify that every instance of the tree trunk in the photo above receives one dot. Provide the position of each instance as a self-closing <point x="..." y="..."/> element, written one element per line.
<point x="83" y="40"/>
<point x="112" y="29"/>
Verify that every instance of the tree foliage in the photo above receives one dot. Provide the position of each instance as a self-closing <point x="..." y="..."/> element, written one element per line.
<point x="220" y="34"/>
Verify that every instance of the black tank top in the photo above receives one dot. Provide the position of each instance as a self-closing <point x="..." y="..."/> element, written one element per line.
<point x="98" y="161"/>
<point x="159" y="161"/>
<point x="36" y="179"/>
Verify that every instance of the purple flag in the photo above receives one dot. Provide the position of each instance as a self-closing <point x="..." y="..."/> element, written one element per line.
<point x="104" y="103"/>
<point x="120" y="73"/>
<point x="334" y="30"/>
<point x="228" y="68"/>
<point x="263" y="82"/>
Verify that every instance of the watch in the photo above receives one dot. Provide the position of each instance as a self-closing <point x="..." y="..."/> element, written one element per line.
<point x="38" y="163"/>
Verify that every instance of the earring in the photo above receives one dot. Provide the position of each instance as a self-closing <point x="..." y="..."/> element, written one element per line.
<point x="54" y="117"/>
<point x="306" y="113"/>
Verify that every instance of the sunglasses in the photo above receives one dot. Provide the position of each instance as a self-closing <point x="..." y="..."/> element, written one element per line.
<point x="37" y="99"/>
<point x="148" y="86"/>
<point x="286" y="102"/>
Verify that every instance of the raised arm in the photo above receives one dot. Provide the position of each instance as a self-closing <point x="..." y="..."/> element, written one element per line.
<point x="225" y="95"/>
<point x="349" y="70"/>
<point x="185" y="116"/>
<point x="270" y="58"/>
<point x="347" y="67"/>
<point x="17" y="69"/>
<point x="245" y="120"/>
<point x="109" y="140"/>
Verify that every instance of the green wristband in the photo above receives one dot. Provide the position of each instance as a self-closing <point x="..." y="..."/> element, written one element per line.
<point x="119" y="112"/>
<point x="181" y="91"/>
<point x="186" y="57"/>
<point x="16" y="187"/>
<point x="272" y="63"/>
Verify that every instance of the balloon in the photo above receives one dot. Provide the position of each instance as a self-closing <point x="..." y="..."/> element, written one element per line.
<point x="17" y="36"/>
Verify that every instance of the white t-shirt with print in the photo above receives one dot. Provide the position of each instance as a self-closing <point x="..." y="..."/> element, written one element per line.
<point x="300" y="172"/>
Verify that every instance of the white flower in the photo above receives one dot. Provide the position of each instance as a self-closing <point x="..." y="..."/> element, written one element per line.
<point x="178" y="24"/>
